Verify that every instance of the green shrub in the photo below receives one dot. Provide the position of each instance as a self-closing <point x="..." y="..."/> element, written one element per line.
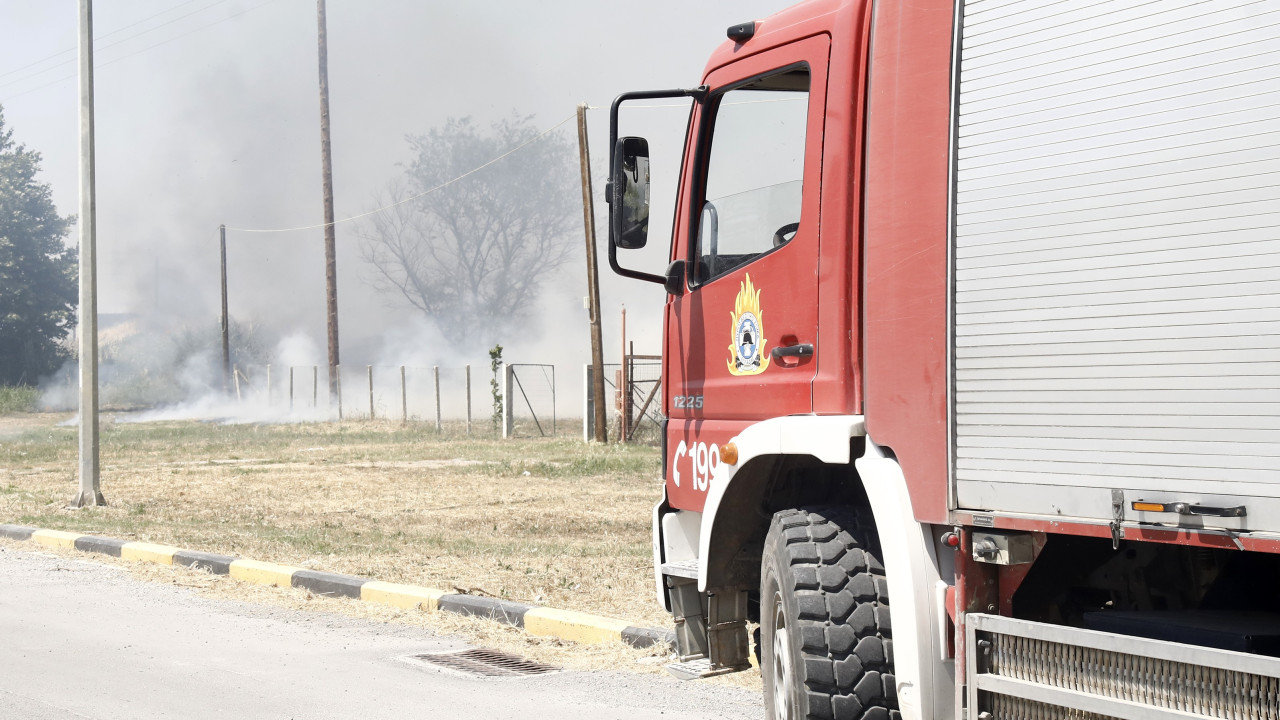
<point x="18" y="398"/>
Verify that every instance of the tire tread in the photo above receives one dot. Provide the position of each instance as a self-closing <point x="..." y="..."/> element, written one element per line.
<point x="843" y="612"/>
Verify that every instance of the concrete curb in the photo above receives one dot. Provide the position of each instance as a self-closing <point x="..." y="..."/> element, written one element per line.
<point x="536" y="620"/>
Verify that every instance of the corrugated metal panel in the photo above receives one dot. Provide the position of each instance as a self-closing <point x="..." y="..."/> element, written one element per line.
<point x="1117" y="253"/>
<point x="1020" y="669"/>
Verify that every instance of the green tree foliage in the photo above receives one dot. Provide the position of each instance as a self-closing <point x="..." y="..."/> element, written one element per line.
<point x="472" y="241"/>
<point x="495" y="388"/>
<point x="38" y="290"/>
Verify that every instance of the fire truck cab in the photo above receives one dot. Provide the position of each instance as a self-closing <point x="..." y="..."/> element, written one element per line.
<point x="972" y="359"/>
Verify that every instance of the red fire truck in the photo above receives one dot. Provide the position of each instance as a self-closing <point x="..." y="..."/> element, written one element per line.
<point x="972" y="358"/>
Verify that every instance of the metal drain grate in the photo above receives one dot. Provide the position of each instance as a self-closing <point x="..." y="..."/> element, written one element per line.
<point x="487" y="663"/>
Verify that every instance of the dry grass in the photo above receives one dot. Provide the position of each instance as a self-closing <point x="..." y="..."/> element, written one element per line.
<point x="551" y="522"/>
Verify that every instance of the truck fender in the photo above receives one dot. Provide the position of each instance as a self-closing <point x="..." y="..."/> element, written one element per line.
<point x="910" y="558"/>
<point x="825" y="437"/>
<point x="911" y="567"/>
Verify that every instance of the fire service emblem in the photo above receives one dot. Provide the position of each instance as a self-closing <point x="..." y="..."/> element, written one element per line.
<point x="747" y="353"/>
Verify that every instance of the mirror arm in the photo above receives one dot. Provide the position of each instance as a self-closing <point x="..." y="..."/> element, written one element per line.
<point x="633" y="274"/>
<point x="698" y="94"/>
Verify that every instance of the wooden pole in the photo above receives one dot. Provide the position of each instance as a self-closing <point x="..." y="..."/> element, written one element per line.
<point x="90" y="481"/>
<point x="369" y="369"/>
<point x="404" y="399"/>
<point x="315" y="386"/>
<point x="326" y="172"/>
<point x="290" y="388"/>
<point x="468" y="399"/>
<point x="593" y="281"/>
<point x="435" y="371"/>
<point x="226" y="323"/>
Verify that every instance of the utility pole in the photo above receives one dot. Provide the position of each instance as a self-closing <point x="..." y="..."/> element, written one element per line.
<point x="326" y="165"/>
<point x="90" y="485"/>
<point x="226" y="329"/>
<point x="593" y="282"/>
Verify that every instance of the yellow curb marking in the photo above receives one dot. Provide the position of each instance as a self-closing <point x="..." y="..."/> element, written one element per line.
<point x="56" y="538"/>
<point x="548" y="622"/>
<point x="263" y="573"/>
<point x="148" y="552"/>
<point x="409" y="597"/>
<point x="575" y="626"/>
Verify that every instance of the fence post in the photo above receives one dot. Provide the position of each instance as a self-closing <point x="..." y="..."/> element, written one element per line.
<point x="337" y="375"/>
<point x="291" y="389"/>
<point x="369" y="369"/>
<point x="508" y="419"/>
<point x="435" y="371"/>
<point x="468" y="399"/>
<point x="404" y="399"/>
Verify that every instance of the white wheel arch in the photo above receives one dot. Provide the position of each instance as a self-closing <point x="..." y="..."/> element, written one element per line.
<point x="925" y="681"/>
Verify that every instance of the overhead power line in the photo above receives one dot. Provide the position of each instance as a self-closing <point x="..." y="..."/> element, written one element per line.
<point x="100" y="37"/>
<point x="424" y="193"/>
<point x="138" y="52"/>
<point x="103" y="36"/>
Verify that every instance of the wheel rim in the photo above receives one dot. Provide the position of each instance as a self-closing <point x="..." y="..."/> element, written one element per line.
<point x="782" y="709"/>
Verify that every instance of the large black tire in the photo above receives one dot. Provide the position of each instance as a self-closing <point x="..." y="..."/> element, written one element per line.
<point x="824" y="619"/>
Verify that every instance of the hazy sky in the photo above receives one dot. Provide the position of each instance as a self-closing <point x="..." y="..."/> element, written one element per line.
<point x="207" y="113"/>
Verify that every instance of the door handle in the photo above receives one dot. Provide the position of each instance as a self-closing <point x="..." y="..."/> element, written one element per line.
<point x="803" y="350"/>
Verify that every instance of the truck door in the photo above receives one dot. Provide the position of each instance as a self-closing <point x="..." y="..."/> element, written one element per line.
<point x="742" y="336"/>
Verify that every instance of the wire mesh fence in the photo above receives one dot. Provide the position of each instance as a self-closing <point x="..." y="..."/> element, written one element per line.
<point x="635" y="413"/>
<point x="531" y="400"/>
<point x="407" y="393"/>
<point x="524" y="402"/>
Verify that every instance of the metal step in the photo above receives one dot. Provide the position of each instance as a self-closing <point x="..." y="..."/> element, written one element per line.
<point x="683" y="568"/>
<point x="698" y="668"/>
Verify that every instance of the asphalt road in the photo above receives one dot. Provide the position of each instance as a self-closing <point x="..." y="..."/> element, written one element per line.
<point x="80" y="639"/>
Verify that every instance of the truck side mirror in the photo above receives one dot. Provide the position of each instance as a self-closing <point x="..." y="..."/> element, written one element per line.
<point x="629" y="202"/>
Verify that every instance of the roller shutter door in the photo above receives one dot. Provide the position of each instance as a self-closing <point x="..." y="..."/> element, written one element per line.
<point x="1117" y="256"/>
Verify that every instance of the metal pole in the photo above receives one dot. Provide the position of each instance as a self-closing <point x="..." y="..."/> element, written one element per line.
<point x="326" y="166"/>
<point x="435" y="370"/>
<point x="508" y="414"/>
<point x="226" y="330"/>
<point x="404" y="398"/>
<point x="468" y="399"/>
<point x="624" y="387"/>
<point x="593" y="280"/>
<point x="369" y="369"/>
<point x="90" y="481"/>
<point x="290" y="388"/>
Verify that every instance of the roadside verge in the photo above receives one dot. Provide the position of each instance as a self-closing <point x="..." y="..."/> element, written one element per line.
<point x="536" y="620"/>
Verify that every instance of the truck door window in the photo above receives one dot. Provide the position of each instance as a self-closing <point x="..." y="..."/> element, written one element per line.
<point x="753" y="172"/>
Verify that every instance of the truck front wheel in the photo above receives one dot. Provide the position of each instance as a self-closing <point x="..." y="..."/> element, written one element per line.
<point x="824" y="619"/>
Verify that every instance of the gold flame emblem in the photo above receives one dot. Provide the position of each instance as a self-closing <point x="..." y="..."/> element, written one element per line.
<point x="747" y="354"/>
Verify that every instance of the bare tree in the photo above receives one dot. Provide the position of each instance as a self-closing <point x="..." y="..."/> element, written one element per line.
<point x="473" y="249"/>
